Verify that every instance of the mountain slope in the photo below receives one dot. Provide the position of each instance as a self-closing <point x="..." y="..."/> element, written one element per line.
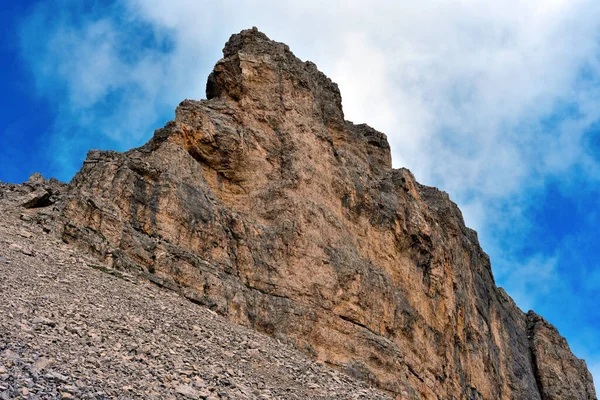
<point x="72" y="330"/>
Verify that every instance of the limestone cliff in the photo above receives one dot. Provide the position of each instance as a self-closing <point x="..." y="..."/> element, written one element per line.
<point x="265" y="205"/>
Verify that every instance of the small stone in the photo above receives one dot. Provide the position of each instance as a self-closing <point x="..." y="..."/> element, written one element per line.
<point x="27" y="252"/>
<point x="10" y="355"/>
<point x="253" y="352"/>
<point x="187" y="391"/>
<point x="199" y="382"/>
<point x="56" y="376"/>
<point x="44" y="321"/>
<point x="26" y="217"/>
<point x="69" y="389"/>
<point x="36" y="179"/>
<point x="25" y="234"/>
<point x="24" y="327"/>
<point x="43" y="363"/>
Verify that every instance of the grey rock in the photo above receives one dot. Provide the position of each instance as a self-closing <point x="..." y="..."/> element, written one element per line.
<point x="37" y="198"/>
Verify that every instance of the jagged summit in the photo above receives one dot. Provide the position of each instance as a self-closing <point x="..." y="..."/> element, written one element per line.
<point x="253" y="41"/>
<point x="265" y="74"/>
<point x="263" y="204"/>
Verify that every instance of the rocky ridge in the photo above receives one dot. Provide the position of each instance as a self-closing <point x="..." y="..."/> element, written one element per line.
<point x="263" y="204"/>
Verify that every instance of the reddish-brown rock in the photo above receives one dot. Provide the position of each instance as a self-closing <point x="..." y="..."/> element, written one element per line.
<point x="263" y="204"/>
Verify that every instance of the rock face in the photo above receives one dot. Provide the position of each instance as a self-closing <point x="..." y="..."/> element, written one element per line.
<point x="560" y="375"/>
<point x="265" y="205"/>
<point x="72" y="328"/>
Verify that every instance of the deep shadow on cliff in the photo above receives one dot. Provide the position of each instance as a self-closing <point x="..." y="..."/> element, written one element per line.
<point x="265" y="205"/>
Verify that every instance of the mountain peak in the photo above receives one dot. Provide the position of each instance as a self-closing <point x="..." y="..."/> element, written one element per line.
<point x="264" y="74"/>
<point x="252" y="41"/>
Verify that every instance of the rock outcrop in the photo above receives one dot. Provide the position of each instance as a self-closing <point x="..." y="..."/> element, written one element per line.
<point x="70" y="328"/>
<point x="265" y="205"/>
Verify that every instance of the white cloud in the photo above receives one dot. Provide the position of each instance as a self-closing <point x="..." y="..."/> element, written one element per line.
<point x="465" y="82"/>
<point x="531" y="279"/>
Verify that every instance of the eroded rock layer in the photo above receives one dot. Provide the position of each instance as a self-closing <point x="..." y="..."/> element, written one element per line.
<point x="265" y="205"/>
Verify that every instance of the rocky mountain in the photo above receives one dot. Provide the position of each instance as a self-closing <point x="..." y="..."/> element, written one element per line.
<point x="263" y="204"/>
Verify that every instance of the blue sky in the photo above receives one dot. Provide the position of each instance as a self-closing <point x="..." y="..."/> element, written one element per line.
<point x="495" y="102"/>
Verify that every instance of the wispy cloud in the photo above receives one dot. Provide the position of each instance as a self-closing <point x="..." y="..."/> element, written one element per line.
<point x="530" y="279"/>
<point x="109" y="73"/>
